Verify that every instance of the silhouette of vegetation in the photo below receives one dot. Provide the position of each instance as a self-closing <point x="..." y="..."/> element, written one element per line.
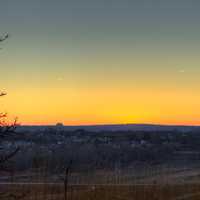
<point x="7" y="131"/>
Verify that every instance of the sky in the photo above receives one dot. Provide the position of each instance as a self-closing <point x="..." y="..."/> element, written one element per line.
<point x="101" y="61"/>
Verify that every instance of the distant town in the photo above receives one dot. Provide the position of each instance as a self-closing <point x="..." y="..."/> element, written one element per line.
<point x="111" y="148"/>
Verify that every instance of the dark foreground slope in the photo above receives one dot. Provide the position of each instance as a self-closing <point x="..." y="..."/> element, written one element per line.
<point x="119" y="192"/>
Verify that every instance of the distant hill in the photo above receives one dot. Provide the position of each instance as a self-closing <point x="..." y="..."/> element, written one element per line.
<point x="116" y="127"/>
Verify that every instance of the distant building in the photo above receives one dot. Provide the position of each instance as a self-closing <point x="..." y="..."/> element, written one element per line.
<point x="59" y="124"/>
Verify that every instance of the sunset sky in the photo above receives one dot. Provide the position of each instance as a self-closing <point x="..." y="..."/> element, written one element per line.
<point x="101" y="61"/>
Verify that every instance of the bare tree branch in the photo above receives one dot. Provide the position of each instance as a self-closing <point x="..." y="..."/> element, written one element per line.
<point x="2" y="94"/>
<point x="5" y="158"/>
<point x="6" y="131"/>
<point x="2" y="38"/>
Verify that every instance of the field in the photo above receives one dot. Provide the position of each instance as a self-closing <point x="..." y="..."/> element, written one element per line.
<point x="102" y="192"/>
<point x="151" y="184"/>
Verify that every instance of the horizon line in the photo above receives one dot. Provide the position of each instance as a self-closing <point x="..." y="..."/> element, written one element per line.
<point x="112" y="124"/>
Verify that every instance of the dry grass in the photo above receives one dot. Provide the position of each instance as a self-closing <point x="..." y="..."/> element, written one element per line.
<point x="109" y="192"/>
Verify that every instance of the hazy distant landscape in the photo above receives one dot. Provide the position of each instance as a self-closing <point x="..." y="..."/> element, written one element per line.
<point x="105" y="157"/>
<point x="129" y="152"/>
<point x="114" y="127"/>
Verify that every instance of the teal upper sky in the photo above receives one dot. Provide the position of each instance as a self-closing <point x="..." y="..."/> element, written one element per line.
<point x="99" y="20"/>
<point x="57" y="36"/>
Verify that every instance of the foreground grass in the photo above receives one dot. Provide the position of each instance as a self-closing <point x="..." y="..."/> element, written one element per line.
<point x="109" y="192"/>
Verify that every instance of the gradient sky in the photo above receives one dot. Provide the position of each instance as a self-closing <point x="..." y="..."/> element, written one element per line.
<point x="101" y="61"/>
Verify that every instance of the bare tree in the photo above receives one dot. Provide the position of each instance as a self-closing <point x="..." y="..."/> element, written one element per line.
<point x="66" y="179"/>
<point x="6" y="130"/>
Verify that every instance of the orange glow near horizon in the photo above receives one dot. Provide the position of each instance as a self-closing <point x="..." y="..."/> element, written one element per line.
<point x="174" y="123"/>
<point x="79" y="94"/>
<point x="103" y="106"/>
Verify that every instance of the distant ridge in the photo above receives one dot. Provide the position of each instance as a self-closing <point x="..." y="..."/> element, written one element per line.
<point x="117" y="127"/>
